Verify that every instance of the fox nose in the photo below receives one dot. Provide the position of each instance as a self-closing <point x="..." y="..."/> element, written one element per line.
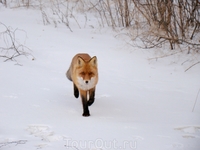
<point x="86" y="82"/>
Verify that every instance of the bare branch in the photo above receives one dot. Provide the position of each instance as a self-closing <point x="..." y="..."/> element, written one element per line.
<point x="12" y="48"/>
<point x="192" y="66"/>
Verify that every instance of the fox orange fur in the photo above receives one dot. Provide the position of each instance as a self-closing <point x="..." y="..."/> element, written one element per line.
<point x="83" y="72"/>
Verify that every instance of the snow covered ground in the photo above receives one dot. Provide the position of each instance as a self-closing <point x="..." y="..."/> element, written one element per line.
<point x="140" y="104"/>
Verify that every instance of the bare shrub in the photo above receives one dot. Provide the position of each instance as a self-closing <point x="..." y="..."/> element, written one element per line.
<point x="154" y="22"/>
<point x="175" y="22"/>
<point x="113" y="13"/>
<point x="4" y="2"/>
<point x="10" y="47"/>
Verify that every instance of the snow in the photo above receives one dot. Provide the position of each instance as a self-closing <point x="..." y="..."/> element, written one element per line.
<point x="140" y="103"/>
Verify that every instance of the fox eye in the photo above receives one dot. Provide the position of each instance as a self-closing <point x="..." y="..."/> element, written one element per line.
<point x="90" y="73"/>
<point x="82" y="73"/>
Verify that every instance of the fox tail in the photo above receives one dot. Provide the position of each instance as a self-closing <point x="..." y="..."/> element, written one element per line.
<point x="68" y="74"/>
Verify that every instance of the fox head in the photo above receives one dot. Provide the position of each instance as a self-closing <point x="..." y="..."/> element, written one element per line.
<point x="86" y="73"/>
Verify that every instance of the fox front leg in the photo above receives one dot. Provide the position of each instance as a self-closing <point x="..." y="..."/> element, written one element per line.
<point x="92" y="96"/>
<point x="76" y="92"/>
<point x="86" y="112"/>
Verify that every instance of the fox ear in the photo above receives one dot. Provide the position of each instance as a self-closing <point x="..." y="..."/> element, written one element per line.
<point x="93" y="61"/>
<point x="80" y="61"/>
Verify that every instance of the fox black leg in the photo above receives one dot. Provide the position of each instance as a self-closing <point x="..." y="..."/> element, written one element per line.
<point x="85" y="107"/>
<point x="92" y="95"/>
<point x="76" y="92"/>
<point x="86" y="112"/>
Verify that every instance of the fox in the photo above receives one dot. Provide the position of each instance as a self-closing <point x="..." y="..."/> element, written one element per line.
<point x="83" y="72"/>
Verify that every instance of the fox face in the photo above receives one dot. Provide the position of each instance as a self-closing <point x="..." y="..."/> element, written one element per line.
<point x="86" y="73"/>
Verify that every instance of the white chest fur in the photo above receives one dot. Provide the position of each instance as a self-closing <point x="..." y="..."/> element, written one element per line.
<point x="86" y="86"/>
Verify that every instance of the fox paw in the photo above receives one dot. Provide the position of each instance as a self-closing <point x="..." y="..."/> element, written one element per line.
<point x="90" y="102"/>
<point x="76" y="94"/>
<point x="86" y="114"/>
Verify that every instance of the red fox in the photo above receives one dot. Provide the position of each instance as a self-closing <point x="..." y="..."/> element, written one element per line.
<point x="83" y="72"/>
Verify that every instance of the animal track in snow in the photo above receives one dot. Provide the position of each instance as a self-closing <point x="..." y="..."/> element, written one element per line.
<point x="175" y="146"/>
<point x="9" y="142"/>
<point x="43" y="132"/>
<point x="190" y="131"/>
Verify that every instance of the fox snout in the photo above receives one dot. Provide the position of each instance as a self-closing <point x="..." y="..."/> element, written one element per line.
<point x="86" y="84"/>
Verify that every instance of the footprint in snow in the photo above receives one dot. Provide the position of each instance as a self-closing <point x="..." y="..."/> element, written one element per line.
<point x="176" y="146"/>
<point x="189" y="131"/>
<point x="44" y="132"/>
